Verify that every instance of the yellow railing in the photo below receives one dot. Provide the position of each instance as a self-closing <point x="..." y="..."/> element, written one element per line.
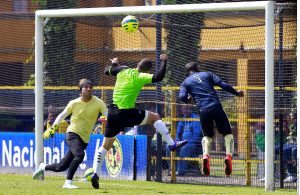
<point x="243" y="120"/>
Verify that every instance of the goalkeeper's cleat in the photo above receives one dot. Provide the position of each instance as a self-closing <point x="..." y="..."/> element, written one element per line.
<point x="95" y="181"/>
<point x="178" y="144"/>
<point x="206" y="165"/>
<point x="39" y="171"/>
<point x="69" y="185"/>
<point x="228" y="164"/>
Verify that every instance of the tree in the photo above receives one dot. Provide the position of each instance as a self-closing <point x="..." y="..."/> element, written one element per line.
<point x="60" y="44"/>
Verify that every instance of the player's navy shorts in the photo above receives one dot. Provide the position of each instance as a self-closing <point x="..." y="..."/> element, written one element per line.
<point x="215" y="115"/>
<point x="118" y="119"/>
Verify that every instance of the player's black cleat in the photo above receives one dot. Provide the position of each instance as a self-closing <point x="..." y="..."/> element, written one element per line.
<point x="95" y="181"/>
<point x="178" y="144"/>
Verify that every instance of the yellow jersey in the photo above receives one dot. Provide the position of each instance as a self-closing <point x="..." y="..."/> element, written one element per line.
<point x="84" y="116"/>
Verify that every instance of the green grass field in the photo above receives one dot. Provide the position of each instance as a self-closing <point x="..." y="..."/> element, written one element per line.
<point x="23" y="185"/>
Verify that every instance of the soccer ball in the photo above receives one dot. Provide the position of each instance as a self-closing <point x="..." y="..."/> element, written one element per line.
<point x="88" y="174"/>
<point x="130" y="23"/>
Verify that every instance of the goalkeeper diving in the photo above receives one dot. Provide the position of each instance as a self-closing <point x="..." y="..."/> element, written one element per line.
<point x="84" y="112"/>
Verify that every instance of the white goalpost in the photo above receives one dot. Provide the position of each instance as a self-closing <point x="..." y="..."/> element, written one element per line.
<point x="267" y="6"/>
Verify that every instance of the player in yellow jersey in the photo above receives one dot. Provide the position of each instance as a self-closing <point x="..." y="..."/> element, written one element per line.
<point x="84" y="112"/>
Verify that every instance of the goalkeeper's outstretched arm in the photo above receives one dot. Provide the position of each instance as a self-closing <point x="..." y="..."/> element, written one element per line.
<point x="60" y="117"/>
<point x="50" y="131"/>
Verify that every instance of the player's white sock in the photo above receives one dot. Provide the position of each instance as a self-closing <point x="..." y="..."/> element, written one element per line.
<point x="100" y="157"/>
<point x="162" y="129"/>
<point x="42" y="166"/>
<point x="68" y="181"/>
<point x="206" y="144"/>
<point x="229" y="144"/>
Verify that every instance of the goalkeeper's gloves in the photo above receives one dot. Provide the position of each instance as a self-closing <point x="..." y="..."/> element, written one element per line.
<point x="50" y="132"/>
<point x="102" y="119"/>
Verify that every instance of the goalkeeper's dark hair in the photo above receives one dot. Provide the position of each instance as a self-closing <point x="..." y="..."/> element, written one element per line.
<point x="84" y="82"/>
<point x="191" y="67"/>
<point x="144" y="65"/>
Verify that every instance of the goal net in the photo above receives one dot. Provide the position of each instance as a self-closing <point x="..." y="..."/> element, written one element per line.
<point x="233" y="40"/>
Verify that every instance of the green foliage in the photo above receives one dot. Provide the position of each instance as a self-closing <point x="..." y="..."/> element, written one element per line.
<point x="28" y="60"/>
<point x="31" y="81"/>
<point x="57" y="54"/>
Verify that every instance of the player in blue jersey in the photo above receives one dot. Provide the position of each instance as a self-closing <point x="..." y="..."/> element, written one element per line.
<point x="199" y="86"/>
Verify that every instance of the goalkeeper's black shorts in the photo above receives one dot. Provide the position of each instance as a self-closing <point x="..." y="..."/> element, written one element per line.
<point x="214" y="115"/>
<point x="118" y="119"/>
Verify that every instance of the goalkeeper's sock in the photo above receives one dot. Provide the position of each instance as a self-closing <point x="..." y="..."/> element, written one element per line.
<point x="68" y="181"/>
<point x="100" y="157"/>
<point x="42" y="166"/>
<point x="68" y="184"/>
<point x="229" y="144"/>
<point x="162" y="129"/>
<point x="206" y="144"/>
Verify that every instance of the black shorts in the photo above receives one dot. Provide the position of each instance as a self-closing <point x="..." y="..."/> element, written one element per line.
<point x="215" y="115"/>
<point x="118" y="119"/>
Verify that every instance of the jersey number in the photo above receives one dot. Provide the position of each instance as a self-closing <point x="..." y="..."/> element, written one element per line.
<point x="198" y="78"/>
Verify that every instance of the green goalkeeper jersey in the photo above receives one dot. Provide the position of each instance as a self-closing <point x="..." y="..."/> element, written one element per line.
<point x="128" y="86"/>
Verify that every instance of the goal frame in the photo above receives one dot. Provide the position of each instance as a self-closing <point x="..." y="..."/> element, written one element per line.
<point x="267" y="6"/>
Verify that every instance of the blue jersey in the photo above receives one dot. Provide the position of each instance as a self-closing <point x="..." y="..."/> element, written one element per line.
<point x="190" y="130"/>
<point x="200" y="85"/>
